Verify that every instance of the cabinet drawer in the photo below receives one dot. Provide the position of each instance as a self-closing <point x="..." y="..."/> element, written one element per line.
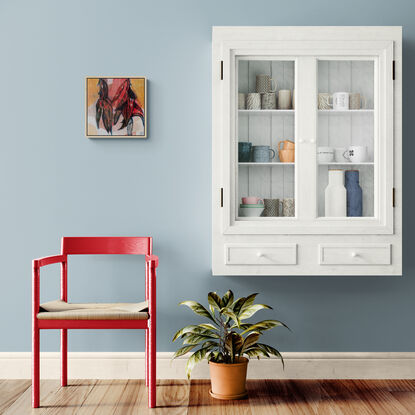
<point x="261" y="254"/>
<point x="353" y="254"/>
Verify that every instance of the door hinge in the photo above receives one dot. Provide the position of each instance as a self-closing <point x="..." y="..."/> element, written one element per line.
<point x="221" y="70"/>
<point x="393" y="70"/>
<point x="393" y="197"/>
<point x="221" y="197"/>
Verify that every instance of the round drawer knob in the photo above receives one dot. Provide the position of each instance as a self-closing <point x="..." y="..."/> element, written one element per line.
<point x="312" y="140"/>
<point x="354" y="254"/>
<point x="259" y="254"/>
<point x="301" y="140"/>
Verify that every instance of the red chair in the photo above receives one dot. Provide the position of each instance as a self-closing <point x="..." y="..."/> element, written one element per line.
<point x="63" y="315"/>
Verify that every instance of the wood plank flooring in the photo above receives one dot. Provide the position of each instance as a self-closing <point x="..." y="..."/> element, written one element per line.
<point x="179" y="397"/>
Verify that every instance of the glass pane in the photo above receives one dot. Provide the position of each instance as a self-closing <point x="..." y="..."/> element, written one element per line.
<point x="345" y="149"/>
<point x="266" y="139"/>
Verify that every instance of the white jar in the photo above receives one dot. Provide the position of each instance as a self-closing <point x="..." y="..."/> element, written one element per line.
<point x="325" y="154"/>
<point x="336" y="195"/>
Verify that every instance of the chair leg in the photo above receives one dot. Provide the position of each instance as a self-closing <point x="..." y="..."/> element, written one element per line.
<point x="152" y="366"/>
<point x="64" y="357"/>
<point x="35" y="367"/>
<point x="147" y="357"/>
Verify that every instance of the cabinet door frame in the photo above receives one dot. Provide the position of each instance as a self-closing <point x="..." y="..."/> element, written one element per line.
<point x="224" y="136"/>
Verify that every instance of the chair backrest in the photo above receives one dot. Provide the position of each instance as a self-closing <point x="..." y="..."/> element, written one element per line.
<point x="107" y="245"/>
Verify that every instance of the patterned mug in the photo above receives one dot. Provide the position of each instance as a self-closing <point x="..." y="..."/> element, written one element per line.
<point x="262" y="154"/>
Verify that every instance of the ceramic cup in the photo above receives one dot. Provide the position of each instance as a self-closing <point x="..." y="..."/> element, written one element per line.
<point x="253" y="101"/>
<point x="241" y="101"/>
<point x="262" y="154"/>
<point x="244" y="151"/>
<point x="288" y="206"/>
<point x="325" y="101"/>
<point x="252" y="200"/>
<point x="325" y="154"/>
<point x="286" y="156"/>
<point x="264" y="84"/>
<point x="272" y="207"/>
<point x="341" y="101"/>
<point x="356" y="154"/>
<point x="284" y="99"/>
<point x="268" y="101"/>
<point x="356" y="101"/>
<point x="339" y="155"/>
<point x="286" y="145"/>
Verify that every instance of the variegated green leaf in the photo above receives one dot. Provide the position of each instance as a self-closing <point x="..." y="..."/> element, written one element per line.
<point x="227" y="299"/>
<point x="183" y="350"/>
<point x="249" y="301"/>
<point x="198" y="309"/>
<point x="251" y="310"/>
<point x="261" y="326"/>
<point x="208" y="326"/>
<point x="214" y="300"/>
<point x="229" y="313"/>
<point x="272" y="351"/>
<point x="237" y="305"/>
<point x="256" y="352"/>
<point x="216" y="356"/>
<point x="184" y="330"/>
<point x="196" y="357"/>
<point x="233" y="344"/>
<point x="250" y="340"/>
<point x="196" y="338"/>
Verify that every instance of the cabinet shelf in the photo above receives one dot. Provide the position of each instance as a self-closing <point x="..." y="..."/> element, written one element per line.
<point x="275" y="163"/>
<point x="344" y="112"/>
<point x="280" y="112"/>
<point x="334" y="163"/>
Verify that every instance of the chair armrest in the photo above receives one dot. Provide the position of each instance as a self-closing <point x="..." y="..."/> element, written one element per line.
<point x="55" y="259"/>
<point x="153" y="259"/>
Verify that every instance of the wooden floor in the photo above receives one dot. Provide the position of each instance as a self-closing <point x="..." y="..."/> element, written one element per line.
<point x="266" y="397"/>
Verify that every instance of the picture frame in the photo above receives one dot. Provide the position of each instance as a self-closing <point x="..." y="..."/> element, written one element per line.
<point x="116" y="107"/>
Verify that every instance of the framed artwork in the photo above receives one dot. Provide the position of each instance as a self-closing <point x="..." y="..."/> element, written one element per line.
<point x="116" y="107"/>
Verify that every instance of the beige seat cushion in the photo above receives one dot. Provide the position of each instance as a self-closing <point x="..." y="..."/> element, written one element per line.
<point x="61" y="310"/>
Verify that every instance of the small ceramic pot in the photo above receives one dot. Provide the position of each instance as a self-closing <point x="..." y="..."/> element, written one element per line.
<point x="269" y="101"/>
<point x="244" y="151"/>
<point x="288" y="206"/>
<point x="253" y="101"/>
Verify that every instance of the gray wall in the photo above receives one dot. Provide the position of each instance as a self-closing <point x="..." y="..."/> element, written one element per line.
<point x="56" y="182"/>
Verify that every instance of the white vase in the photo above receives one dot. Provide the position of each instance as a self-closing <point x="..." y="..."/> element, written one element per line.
<point x="336" y="194"/>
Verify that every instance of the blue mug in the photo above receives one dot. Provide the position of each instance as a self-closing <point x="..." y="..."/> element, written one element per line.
<point x="244" y="151"/>
<point x="262" y="154"/>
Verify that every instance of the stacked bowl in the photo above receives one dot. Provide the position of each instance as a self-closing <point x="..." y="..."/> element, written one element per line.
<point x="251" y="207"/>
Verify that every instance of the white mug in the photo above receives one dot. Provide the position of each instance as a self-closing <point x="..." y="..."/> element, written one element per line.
<point x="284" y="99"/>
<point x="356" y="101"/>
<point x="341" y="101"/>
<point x="356" y="154"/>
<point x="339" y="155"/>
<point x="325" y="154"/>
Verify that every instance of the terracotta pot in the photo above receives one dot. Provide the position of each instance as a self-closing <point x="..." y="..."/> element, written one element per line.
<point x="228" y="379"/>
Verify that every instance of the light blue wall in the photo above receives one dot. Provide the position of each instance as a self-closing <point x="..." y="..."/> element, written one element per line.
<point x="56" y="182"/>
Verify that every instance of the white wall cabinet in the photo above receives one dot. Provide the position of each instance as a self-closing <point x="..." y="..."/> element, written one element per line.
<point x="308" y="62"/>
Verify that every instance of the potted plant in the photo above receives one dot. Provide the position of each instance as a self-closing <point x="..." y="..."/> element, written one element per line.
<point x="226" y="341"/>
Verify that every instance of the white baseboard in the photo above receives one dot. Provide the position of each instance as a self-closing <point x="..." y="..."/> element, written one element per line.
<point x="298" y="365"/>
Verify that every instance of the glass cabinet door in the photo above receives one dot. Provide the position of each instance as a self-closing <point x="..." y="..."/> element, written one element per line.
<point x="265" y="139"/>
<point x="346" y="138"/>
